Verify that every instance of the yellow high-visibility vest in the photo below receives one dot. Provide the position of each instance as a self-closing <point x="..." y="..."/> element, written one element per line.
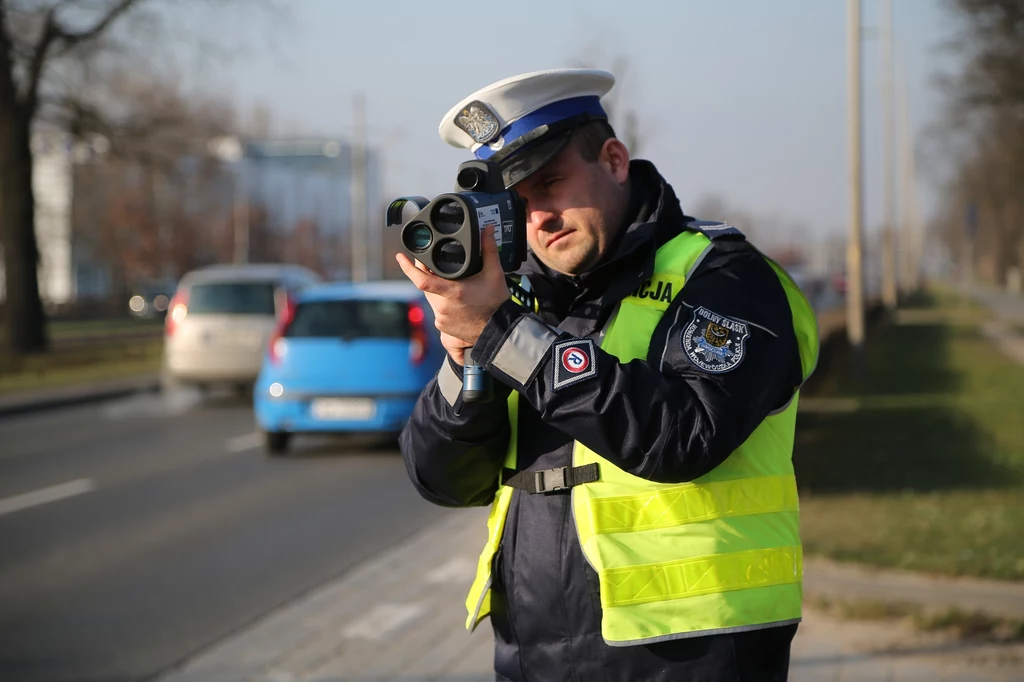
<point x="720" y="553"/>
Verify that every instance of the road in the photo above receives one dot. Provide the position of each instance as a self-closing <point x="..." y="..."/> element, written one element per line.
<point x="138" y="532"/>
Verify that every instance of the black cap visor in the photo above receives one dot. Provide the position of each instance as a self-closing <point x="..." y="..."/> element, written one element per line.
<point x="530" y="152"/>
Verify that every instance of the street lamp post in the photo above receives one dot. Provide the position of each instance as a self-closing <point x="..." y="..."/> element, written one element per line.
<point x="228" y="149"/>
<point x="889" y="279"/>
<point x="358" y="188"/>
<point x="854" y="246"/>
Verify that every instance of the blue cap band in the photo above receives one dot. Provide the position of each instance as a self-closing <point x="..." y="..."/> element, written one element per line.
<point x="552" y="113"/>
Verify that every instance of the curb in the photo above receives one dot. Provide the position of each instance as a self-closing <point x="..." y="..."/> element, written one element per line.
<point x="37" y="401"/>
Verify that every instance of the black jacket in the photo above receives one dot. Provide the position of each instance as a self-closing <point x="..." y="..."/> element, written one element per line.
<point x="664" y="419"/>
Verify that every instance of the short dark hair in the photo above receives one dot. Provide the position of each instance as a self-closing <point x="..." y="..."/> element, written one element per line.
<point x="590" y="137"/>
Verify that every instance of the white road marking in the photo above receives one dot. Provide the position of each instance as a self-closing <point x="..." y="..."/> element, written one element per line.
<point x="44" y="495"/>
<point x="455" y="570"/>
<point x="246" y="442"/>
<point x="383" y="619"/>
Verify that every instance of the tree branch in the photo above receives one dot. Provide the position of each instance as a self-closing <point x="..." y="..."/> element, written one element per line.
<point x="69" y="40"/>
<point x="54" y="33"/>
<point x="8" y="92"/>
<point x="34" y="73"/>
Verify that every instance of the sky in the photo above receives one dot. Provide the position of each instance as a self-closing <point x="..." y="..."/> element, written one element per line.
<point x="744" y="99"/>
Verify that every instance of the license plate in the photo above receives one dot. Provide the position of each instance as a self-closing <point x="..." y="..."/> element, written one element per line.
<point x="243" y="337"/>
<point x="236" y="338"/>
<point x="343" y="409"/>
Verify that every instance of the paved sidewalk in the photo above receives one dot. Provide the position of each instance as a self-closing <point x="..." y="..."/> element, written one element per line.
<point x="1008" y="310"/>
<point x="1006" y="306"/>
<point x="832" y="579"/>
<point x="1009" y="342"/>
<point x="399" y="617"/>
<point x="396" y="617"/>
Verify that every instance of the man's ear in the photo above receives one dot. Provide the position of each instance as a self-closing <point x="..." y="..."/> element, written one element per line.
<point x="615" y="158"/>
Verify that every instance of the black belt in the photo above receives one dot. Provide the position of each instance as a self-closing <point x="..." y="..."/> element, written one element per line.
<point x="549" y="480"/>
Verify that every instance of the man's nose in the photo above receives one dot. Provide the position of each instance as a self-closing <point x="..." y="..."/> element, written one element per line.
<point x="541" y="219"/>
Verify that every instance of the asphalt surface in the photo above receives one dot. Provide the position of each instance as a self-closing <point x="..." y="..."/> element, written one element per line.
<point x="137" y="532"/>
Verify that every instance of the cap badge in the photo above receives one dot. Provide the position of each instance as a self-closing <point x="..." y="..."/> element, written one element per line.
<point x="478" y="121"/>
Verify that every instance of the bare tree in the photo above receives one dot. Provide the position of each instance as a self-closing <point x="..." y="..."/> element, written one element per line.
<point x="24" y="58"/>
<point x="156" y="191"/>
<point x="55" y="58"/>
<point x="983" y="132"/>
<point x="992" y="39"/>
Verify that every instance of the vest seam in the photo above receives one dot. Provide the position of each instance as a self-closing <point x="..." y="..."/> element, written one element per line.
<point x="700" y="259"/>
<point x="668" y="335"/>
<point x="480" y="600"/>
<point x="814" y="316"/>
<point x="702" y="633"/>
<point x="779" y="410"/>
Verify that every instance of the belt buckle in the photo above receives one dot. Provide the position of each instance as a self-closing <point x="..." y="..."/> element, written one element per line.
<point x="550" y="480"/>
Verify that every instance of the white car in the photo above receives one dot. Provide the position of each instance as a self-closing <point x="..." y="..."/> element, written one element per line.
<point x="222" y="317"/>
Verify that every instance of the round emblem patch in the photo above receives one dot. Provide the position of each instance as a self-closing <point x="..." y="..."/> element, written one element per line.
<point x="714" y="343"/>
<point x="575" y="360"/>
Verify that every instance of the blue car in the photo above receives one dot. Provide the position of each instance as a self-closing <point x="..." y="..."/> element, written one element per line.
<point x="347" y="357"/>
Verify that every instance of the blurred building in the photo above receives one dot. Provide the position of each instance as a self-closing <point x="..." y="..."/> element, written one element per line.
<point x="54" y="154"/>
<point x="308" y="191"/>
<point x="51" y="178"/>
<point x="106" y="225"/>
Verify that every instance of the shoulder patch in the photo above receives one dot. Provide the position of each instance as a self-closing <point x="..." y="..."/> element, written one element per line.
<point x="574" y="362"/>
<point x="712" y="229"/>
<point x="714" y="343"/>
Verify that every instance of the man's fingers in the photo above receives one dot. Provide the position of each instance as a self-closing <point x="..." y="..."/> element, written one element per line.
<point x="422" y="278"/>
<point x="489" y="247"/>
<point x="410" y="270"/>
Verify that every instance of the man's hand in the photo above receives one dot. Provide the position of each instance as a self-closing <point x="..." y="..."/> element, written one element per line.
<point x="456" y="348"/>
<point x="462" y="307"/>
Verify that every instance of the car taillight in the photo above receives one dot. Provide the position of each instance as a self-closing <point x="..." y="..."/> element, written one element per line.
<point x="417" y="334"/>
<point x="176" y="311"/>
<point x="276" y="349"/>
<point x="286" y="310"/>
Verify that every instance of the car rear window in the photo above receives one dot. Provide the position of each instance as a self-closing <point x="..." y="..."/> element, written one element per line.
<point x="231" y="298"/>
<point x="350" y="320"/>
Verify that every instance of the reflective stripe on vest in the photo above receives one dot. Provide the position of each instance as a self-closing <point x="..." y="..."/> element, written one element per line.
<point x="721" y="553"/>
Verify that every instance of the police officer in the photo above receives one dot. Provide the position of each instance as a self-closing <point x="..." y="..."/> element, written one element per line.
<point x="637" y="450"/>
